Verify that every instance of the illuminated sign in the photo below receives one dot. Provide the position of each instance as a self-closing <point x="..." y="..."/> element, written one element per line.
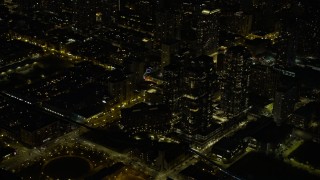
<point x="147" y="72"/>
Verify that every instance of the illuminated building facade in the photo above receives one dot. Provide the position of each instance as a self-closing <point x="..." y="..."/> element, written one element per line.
<point x="120" y="86"/>
<point x="168" y="48"/>
<point x="135" y="66"/>
<point x="196" y="94"/>
<point x="84" y="14"/>
<point x="227" y="149"/>
<point x="286" y="50"/>
<point x="166" y="26"/>
<point x="309" y="41"/>
<point x="187" y="89"/>
<point x="146" y="118"/>
<point x="156" y="21"/>
<point x="235" y="81"/>
<point x="137" y="16"/>
<point x="284" y="101"/>
<point x="264" y="80"/>
<point x="237" y="22"/>
<point x="207" y="31"/>
<point x="171" y="89"/>
<point x="38" y="133"/>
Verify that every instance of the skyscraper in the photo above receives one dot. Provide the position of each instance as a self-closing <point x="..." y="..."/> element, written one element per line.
<point x="286" y="50"/>
<point x="168" y="48"/>
<point x="286" y="95"/>
<point x="166" y="25"/>
<point x="237" y="22"/>
<point x="207" y="31"/>
<point x="200" y="26"/>
<point x="235" y="81"/>
<point x="283" y="104"/>
<point x="171" y="90"/>
<point x="196" y="94"/>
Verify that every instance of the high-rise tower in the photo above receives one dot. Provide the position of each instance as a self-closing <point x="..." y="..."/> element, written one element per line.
<point x="196" y="94"/>
<point x="207" y="31"/>
<point x="235" y="81"/>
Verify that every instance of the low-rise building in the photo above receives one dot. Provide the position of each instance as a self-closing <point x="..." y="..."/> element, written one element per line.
<point x="146" y="118"/>
<point x="227" y="149"/>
